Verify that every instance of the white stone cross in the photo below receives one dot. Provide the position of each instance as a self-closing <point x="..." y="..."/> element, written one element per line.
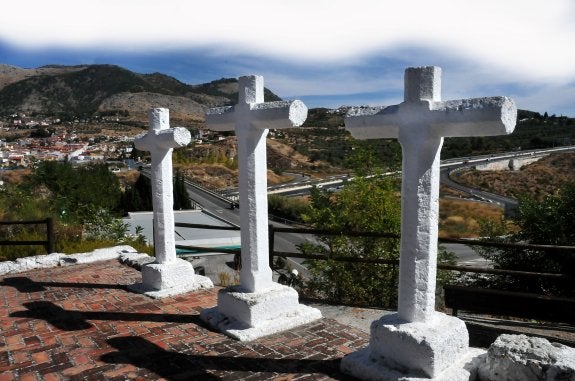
<point x="420" y="123"/>
<point x="160" y="141"/>
<point x="251" y="119"/>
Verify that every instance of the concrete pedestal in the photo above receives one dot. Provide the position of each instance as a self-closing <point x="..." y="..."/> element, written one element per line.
<point x="249" y="315"/>
<point x="160" y="280"/>
<point x="433" y="350"/>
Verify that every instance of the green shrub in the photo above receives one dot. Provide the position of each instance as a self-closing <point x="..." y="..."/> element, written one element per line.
<point x="289" y="208"/>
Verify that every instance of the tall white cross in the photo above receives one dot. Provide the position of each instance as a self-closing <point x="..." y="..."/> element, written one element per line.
<point x="161" y="141"/>
<point x="251" y="119"/>
<point x="420" y="123"/>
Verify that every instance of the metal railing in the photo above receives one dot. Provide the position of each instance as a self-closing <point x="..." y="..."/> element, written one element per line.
<point x="393" y="262"/>
<point x="49" y="243"/>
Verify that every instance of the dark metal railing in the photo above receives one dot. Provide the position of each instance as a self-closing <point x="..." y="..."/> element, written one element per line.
<point x="49" y="243"/>
<point x="472" y="242"/>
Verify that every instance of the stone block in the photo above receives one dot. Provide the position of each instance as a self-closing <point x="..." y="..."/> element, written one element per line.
<point x="413" y="349"/>
<point x="428" y="347"/>
<point x="249" y="315"/>
<point x="161" y="280"/>
<point x="523" y="358"/>
<point x="360" y="364"/>
<point x="166" y="275"/>
<point x="253" y="308"/>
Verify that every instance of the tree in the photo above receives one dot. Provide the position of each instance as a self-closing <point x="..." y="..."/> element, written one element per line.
<point x="182" y="199"/>
<point x="77" y="192"/>
<point x="138" y="197"/>
<point x="362" y="205"/>
<point x="548" y="221"/>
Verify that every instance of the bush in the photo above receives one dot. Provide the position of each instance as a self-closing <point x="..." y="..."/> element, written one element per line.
<point x="364" y="205"/>
<point x="544" y="222"/>
<point x="289" y="208"/>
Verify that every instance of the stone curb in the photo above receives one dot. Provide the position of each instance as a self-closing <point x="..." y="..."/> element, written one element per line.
<point x="59" y="259"/>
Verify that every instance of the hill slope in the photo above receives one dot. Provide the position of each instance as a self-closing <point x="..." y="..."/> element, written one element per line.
<point x="86" y="90"/>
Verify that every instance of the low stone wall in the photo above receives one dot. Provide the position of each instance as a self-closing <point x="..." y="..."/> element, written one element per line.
<point x="511" y="164"/>
<point x="59" y="259"/>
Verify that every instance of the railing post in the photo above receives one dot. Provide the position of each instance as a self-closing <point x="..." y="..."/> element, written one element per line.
<point x="50" y="239"/>
<point x="271" y="236"/>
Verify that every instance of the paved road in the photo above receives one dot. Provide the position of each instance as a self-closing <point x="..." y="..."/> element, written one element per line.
<point x="466" y="256"/>
<point x="286" y="242"/>
<point x="446" y="179"/>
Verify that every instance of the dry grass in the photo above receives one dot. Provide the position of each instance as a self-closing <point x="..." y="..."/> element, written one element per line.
<point x="445" y="191"/>
<point x="535" y="180"/>
<point x="127" y="178"/>
<point x="15" y="176"/>
<point x="459" y="218"/>
<point x="219" y="176"/>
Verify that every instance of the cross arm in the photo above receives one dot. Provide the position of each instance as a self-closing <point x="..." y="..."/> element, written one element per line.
<point x="169" y="138"/>
<point x="474" y="117"/>
<point x="366" y="122"/>
<point x="221" y="118"/>
<point x="277" y="115"/>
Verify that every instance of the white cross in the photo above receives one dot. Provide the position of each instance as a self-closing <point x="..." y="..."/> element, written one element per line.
<point x="161" y="141"/>
<point x="251" y="119"/>
<point x="420" y="123"/>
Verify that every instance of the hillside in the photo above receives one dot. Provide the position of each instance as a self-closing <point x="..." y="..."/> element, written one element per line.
<point x="280" y="157"/>
<point x="324" y="138"/>
<point x="85" y="91"/>
<point x="215" y="165"/>
<point x="535" y="180"/>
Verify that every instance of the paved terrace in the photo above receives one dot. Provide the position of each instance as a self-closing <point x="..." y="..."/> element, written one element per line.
<point x="80" y="323"/>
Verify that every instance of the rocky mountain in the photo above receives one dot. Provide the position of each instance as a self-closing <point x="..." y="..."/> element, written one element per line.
<point x="87" y="90"/>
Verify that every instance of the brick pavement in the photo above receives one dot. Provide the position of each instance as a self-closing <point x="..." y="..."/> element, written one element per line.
<point x="80" y="323"/>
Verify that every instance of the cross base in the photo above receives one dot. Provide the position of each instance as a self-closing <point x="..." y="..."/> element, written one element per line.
<point x="161" y="280"/>
<point x="250" y="315"/>
<point x="398" y="350"/>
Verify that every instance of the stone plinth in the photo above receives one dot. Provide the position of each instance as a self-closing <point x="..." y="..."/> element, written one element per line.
<point x="249" y="315"/>
<point x="399" y="350"/>
<point x="161" y="280"/>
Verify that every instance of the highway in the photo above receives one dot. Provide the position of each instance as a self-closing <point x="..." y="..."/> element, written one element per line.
<point x="215" y="205"/>
<point x="219" y="205"/>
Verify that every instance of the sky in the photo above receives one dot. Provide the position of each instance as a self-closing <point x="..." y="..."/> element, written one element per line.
<point x="327" y="53"/>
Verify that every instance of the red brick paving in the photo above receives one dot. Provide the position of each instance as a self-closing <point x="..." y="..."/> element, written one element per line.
<point x="80" y="323"/>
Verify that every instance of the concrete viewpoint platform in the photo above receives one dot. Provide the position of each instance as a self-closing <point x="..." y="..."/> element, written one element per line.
<point x="80" y="322"/>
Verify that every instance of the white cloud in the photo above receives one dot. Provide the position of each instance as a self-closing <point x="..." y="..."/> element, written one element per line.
<point x="554" y="99"/>
<point x="521" y="39"/>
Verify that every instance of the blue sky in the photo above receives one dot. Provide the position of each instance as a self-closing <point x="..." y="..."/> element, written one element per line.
<point x="325" y="52"/>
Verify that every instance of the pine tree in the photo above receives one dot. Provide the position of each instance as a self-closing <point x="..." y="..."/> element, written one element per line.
<point x="181" y="197"/>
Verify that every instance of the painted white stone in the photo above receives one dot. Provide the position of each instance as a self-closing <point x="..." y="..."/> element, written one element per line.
<point x="418" y="341"/>
<point x="363" y="366"/>
<point x="523" y="358"/>
<point x="422" y="347"/>
<point x="168" y="275"/>
<point x="248" y="316"/>
<point x="161" y="280"/>
<point x="59" y="259"/>
<point x="100" y="254"/>
<point x="161" y="141"/>
<point x="420" y="123"/>
<point x="254" y="308"/>
<point x="251" y="119"/>
<point x="257" y="307"/>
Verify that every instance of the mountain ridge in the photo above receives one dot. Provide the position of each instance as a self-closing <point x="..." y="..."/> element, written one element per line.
<point x="88" y="90"/>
